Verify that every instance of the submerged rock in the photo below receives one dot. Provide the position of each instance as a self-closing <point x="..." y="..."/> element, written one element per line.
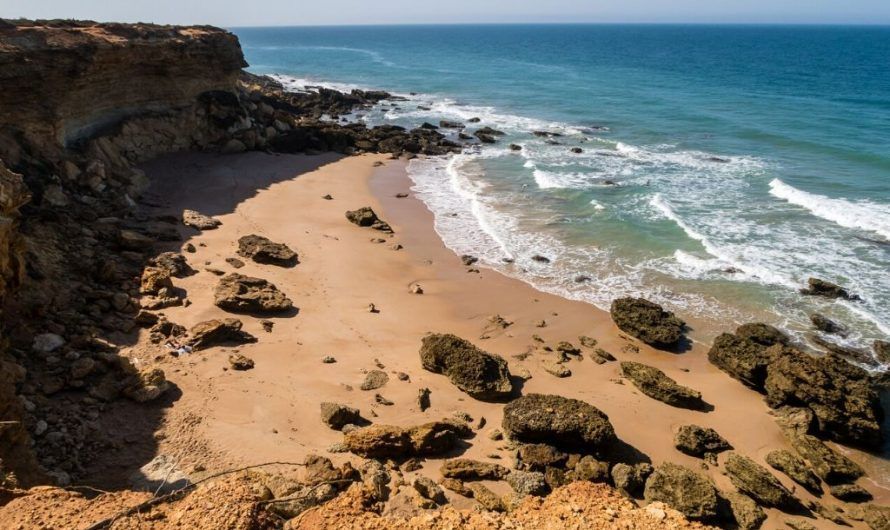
<point x="648" y="322"/>
<point x="557" y="420"/>
<point x="263" y="250"/>
<point x="244" y="294"/>
<point x="655" y="384"/>
<point x="696" y="441"/>
<point x="480" y="374"/>
<point x="827" y="325"/>
<point x="367" y="218"/>
<point x="684" y="490"/>
<point x="817" y="287"/>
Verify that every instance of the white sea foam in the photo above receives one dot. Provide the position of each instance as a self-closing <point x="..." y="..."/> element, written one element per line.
<point x="860" y="215"/>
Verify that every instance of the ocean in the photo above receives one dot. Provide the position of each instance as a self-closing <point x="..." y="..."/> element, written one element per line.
<point x="719" y="168"/>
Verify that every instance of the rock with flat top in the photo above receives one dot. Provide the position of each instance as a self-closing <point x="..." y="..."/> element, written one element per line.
<point x="696" y="441"/>
<point x="831" y="466"/>
<point x="466" y="470"/>
<point x="682" y="489"/>
<point x="264" y="250"/>
<point x="218" y="332"/>
<point x="754" y="480"/>
<point x="796" y="469"/>
<point x="243" y="294"/>
<point x="557" y="420"/>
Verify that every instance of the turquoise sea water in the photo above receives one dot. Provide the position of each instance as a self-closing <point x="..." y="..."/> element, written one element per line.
<point x="721" y="166"/>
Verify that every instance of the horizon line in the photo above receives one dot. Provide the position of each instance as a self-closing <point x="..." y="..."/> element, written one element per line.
<point x="592" y="23"/>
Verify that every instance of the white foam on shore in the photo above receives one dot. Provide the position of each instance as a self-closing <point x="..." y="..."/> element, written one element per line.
<point x="860" y="215"/>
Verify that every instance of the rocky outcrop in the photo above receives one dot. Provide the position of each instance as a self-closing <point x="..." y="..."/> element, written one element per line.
<point x="262" y="250"/>
<point x="480" y="374"/>
<point x="557" y="420"/>
<point x="844" y="404"/>
<point x="244" y="294"/>
<point x="648" y="322"/>
<point x="655" y="384"/>
<point x="831" y="466"/>
<point x="684" y="490"/>
<point x="796" y="469"/>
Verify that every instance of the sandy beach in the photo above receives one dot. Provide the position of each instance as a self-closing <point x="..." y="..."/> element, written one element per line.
<point x="225" y="418"/>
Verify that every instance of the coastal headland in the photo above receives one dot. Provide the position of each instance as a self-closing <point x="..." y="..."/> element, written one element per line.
<point x="224" y="307"/>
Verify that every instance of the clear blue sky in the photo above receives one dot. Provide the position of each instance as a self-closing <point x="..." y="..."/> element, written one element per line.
<point x="313" y="12"/>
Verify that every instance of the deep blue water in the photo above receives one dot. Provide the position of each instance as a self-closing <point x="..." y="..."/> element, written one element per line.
<point x="746" y="158"/>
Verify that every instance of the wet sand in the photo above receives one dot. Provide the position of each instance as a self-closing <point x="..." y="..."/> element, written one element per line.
<point x="271" y="413"/>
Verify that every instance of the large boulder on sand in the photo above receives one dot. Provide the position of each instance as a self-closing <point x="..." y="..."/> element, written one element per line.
<point x="388" y="441"/>
<point x="480" y="374"/>
<point x="366" y="217"/>
<point x="263" y="250"/>
<point x="796" y="469"/>
<point x="682" y="489"/>
<point x="655" y="384"/>
<point x="748" y="514"/>
<point x="755" y="481"/>
<point x="215" y="332"/>
<point x="696" y="441"/>
<point x="831" y="466"/>
<point x="559" y="421"/>
<point x="648" y="322"/>
<point x="244" y="294"/>
<point x="840" y="396"/>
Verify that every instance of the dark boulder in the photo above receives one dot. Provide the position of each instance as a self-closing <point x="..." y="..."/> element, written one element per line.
<point x="244" y="294"/>
<point x="366" y="217"/>
<point x="827" y="325"/>
<point x="850" y="493"/>
<point x="684" y="490"/>
<point x="796" y="469"/>
<point x="817" y="287"/>
<point x="831" y="466"/>
<point x="882" y="350"/>
<point x="564" y="422"/>
<point x="480" y="374"/>
<point x="648" y="322"/>
<point x="742" y="357"/>
<point x="755" y="481"/>
<point x="541" y="456"/>
<point x="696" y="441"/>
<point x="263" y="250"/>
<point x="447" y="124"/>
<point x="655" y="384"/>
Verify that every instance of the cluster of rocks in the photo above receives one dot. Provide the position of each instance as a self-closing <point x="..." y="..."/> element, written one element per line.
<point x="838" y="397"/>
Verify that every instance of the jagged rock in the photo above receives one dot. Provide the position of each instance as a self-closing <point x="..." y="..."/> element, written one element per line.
<point x="817" y="287"/>
<point x="174" y="263"/>
<point x="198" y="220"/>
<point x="244" y="294"/>
<point x="831" y="466"/>
<point x="387" y="441"/>
<point x="796" y="469"/>
<point x="631" y="478"/>
<point x="218" y="332"/>
<point x="752" y="479"/>
<point x="375" y="379"/>
<point x="436" y="437"/>
<point x="466" y="470"/>
<point x="366" y="217"/>
<point x="746" y="513"/>
<point x="429" y="490"/>
<point x="146" y="385"/>
<point x="336" y="416"/>
<point x="696" y="441"/>
<point x="682" y="489"/>
<point x="655" y="384"/>
<point x="797" y="420"/>
<point x="263" y="250"/>
<point x="845" y="406"/>
<point x="648" y="322"/>
<point x="557" y="420"/>
<point x="487" y="498"/>
<point x="320" y="470"/>
<point x="840" y="395"/>
<point x="480" y="374"/>
<point x="541" y="456"/>
<point x="240" y="362"/>
<point x="154" y="279"/>
<point x="527" y="483"/>
<point x="850" y="493"/>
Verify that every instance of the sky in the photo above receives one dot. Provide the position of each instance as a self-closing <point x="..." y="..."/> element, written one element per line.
<point x="234" y="13"/>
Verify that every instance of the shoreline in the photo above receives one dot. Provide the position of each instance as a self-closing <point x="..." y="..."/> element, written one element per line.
<point x="271" y="412"/>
